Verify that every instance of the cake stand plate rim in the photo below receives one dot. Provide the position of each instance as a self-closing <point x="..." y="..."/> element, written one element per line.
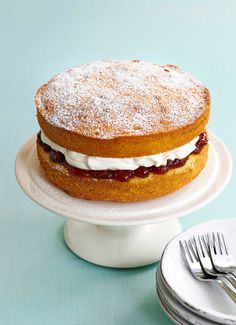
<point x="124" y="217"/>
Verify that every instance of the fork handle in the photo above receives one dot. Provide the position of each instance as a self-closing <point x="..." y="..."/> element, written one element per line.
<point x="232" y="279"/>
<point x="233" y="274"/>
<point x="230" y="292"/>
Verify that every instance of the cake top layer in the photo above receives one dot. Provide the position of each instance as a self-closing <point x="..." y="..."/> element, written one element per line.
<point x="109" y="99"/>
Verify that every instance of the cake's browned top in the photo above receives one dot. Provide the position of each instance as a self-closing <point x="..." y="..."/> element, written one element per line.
<point x="110" y="99"/>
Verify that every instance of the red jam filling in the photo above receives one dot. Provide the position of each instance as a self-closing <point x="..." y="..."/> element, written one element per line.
<point x="120" y="175"/>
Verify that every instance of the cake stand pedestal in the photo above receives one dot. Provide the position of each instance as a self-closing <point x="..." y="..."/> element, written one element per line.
<point x="123" y="234"/>
<point x="119" y="246"/>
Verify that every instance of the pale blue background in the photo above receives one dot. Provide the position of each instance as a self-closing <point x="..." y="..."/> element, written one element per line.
<point x="41" y="281"/>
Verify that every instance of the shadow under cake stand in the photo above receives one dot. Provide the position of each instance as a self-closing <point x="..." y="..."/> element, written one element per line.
<point x="123" y="234"/>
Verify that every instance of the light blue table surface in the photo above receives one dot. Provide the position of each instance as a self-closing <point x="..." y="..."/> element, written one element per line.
<point x="41" y="281"/>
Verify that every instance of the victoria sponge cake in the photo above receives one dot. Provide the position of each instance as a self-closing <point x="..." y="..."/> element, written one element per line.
<point x="122" y="130"/>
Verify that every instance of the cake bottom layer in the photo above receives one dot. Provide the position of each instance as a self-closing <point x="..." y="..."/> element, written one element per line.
<point x="136" y="189"/>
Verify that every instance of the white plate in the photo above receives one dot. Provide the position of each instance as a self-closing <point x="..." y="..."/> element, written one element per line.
<point x="209" y="184"/>
<point x="176" y="307"/>
<point x="170" y="312"/>
<point x="205" y="299"/>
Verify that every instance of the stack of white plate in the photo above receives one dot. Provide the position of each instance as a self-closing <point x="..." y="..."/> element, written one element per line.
<point x="189" y="301"/>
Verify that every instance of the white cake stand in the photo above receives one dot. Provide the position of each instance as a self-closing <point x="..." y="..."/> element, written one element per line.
<point x="123" y="234"/>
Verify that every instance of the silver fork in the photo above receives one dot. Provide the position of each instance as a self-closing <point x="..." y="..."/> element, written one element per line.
<point x="202" y="249"/>
<point x="194" y="266"/>
<point x="220" y="255"/>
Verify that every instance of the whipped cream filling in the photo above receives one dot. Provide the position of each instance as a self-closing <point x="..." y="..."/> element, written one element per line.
<point x="83" y="161"/>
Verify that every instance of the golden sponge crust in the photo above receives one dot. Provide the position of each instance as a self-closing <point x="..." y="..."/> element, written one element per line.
<point x="122" y="108"/>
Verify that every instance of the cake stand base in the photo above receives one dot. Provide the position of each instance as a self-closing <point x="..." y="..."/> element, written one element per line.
<point x="120" y="246"/>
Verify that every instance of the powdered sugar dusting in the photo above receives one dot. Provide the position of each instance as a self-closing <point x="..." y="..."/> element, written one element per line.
<point x="107" y="99"/>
